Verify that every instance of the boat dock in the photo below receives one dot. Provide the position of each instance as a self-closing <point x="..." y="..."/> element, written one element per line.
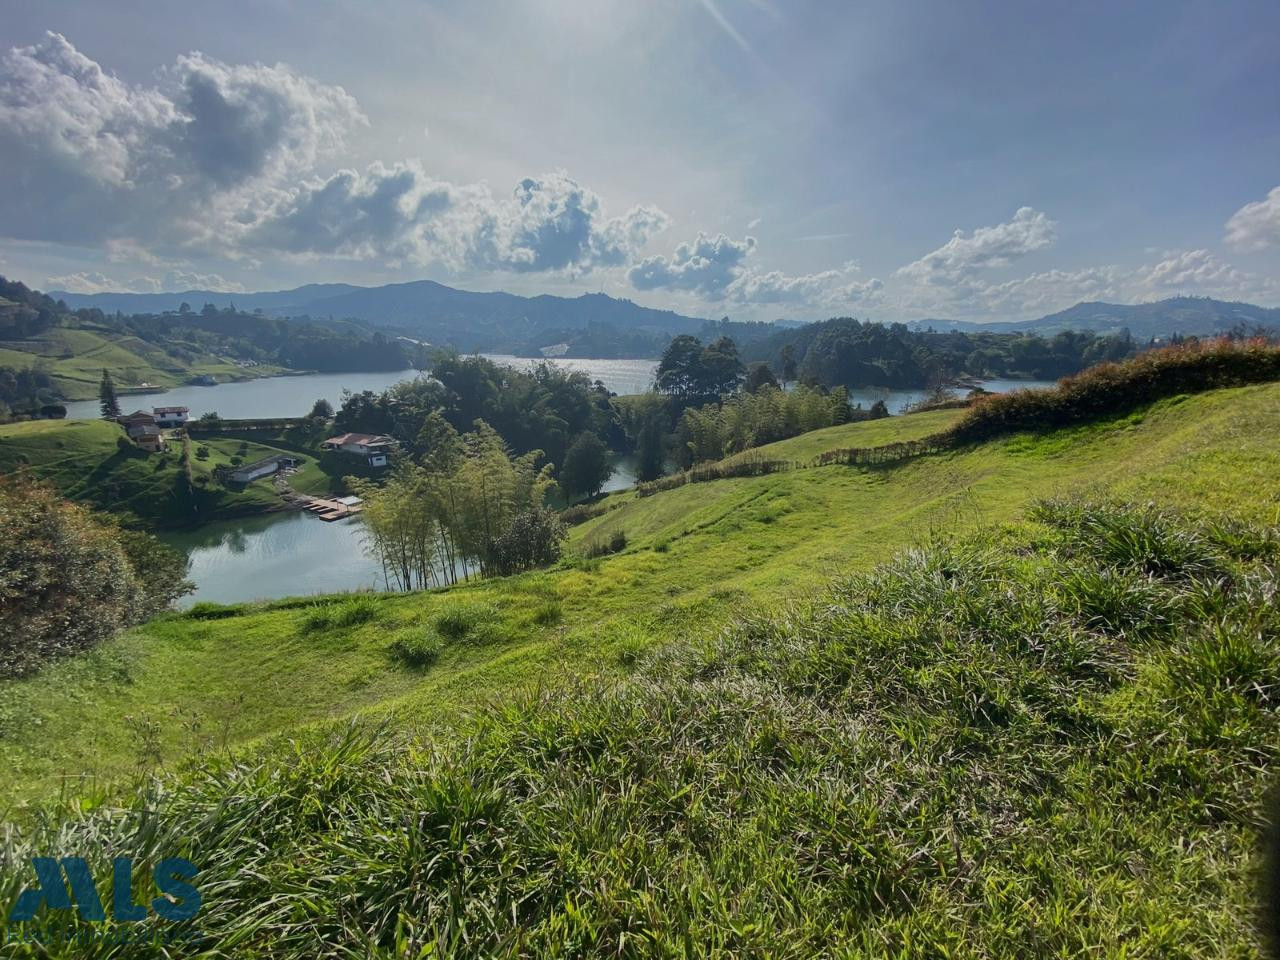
<point x="338" y="508"/>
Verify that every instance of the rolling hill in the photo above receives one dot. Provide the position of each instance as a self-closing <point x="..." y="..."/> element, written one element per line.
<point x="469" y="321"/>
<point x="1159" y="319"/>
<point x="753" y="731"/>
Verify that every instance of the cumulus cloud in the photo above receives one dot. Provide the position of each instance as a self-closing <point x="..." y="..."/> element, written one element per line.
<point x="1256" y="225"/>
<point x="548" y="223"/>
<point x="91" y="158"/>
<point x="222" y="159"/>
<point x="174" y="281"/>
<point x="961" y="257"/>
<point x="707" y="266"/>
<point x="717" y="269"/>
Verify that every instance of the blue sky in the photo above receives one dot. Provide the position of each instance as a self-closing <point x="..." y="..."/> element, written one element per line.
<point x="744" y="157"/>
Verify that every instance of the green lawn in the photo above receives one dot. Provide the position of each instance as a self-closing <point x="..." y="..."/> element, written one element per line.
<point x="696" y="557"/>
<point x="75" y="357"/>
<point x="83" y="460"/>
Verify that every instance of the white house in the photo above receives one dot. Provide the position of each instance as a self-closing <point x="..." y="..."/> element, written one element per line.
<point x="374" y="450"/>
<point x="170" y="416"/>
<point x="249" y="472"/>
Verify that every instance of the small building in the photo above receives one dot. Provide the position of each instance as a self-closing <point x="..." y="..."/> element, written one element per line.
<point x="374" y="449"/>
<point x="134" y="422"/>
<point x="170" y="416"/>
<point x="249" y="472"/>
<point x="149" y="438"/>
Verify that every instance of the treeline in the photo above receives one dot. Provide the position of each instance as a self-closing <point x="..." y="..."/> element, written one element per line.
<point x="28" y="392"/>
<point x="468" y="505"/>
<point x="1113" y="388"/>
<point x="752" y="419"/>
<point x="863" y="354"/>
<point x="1107" y="390"/>
<point x="69" y="579"/>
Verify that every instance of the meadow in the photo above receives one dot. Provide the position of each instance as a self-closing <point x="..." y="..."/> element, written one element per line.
<point x="85" y="461"/>
<point x="218" y="679"/>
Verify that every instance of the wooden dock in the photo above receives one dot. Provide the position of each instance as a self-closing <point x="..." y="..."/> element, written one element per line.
<point x="327" y="510"/>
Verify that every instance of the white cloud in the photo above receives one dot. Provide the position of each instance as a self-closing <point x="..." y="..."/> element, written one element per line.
<point x="962" y="257"/>
<point x="91" y="158"/>
<point x="547" y="223"/>
<point x="707" y="266"/>
<point x="175" y="281"/>
<point x="222" y="160"/>
<point x="1256" y="225"/>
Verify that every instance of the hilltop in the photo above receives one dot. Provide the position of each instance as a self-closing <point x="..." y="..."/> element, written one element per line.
<point x="495" y="322"/>
<point x="1158" y="319"/>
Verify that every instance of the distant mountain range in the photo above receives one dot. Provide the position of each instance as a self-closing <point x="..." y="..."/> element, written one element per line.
<point x="1189" y="316"/>
<point x="430" y="311"/>
<point x="598" y="325"/>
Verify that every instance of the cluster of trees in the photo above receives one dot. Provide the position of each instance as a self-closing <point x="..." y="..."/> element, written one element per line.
<point x="25" y="312"/>
<point x="861" y="354"/>
<point x="467" y="504"/>
<point x="691" y="371"/>
<point x="28" y="392"/>
<point x="545" y="409"/>
<point x="751" y="419"/>
<point x="69" y="579"/>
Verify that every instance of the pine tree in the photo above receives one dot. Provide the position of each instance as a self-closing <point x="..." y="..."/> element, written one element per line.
<point x="107" y="398"/>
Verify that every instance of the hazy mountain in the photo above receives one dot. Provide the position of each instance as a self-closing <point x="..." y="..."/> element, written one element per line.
<point x="1189" y="316"/>
<point x="440" y="314"/>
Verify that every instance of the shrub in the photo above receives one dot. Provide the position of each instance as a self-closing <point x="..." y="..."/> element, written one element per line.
<point x="204" y="610"/>
<point x="417" y="647"/>
<point x="346" y="612"/>
<point x="534" y="539"/>
<point x="456" y="622"/>
<point x="616" y="542"/>
<point x="202" y="452"/>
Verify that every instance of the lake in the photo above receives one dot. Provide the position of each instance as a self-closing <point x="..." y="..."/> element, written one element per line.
<point x="293" y="396"/>
<point x="291" y="554"/>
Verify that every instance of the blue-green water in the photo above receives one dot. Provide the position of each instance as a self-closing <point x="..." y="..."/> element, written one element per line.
<point x="291" y="554"/>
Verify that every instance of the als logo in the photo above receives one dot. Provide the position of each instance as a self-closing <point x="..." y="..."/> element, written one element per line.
<point x="171" y="877"/>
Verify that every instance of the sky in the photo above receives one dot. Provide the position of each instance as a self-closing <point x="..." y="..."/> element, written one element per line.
<point x="751" y="158"/>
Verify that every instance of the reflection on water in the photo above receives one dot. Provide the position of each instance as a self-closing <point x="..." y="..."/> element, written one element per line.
<point x="278" y="555"/>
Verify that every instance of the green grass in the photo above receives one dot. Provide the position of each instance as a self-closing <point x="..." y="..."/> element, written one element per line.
<point x="76" y="356"/>
<point x="694" y="558"/>
<point x="83" y="460"/>
<point x="1045" y="740"/>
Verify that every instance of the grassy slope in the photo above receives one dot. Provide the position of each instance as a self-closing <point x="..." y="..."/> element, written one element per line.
<point x="81" y="458"/>
<point x="76" y="357"/>
<point x="696" y="556"/>
<point x="1046" y="741"/>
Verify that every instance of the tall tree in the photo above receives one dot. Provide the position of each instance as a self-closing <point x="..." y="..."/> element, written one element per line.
<point x="107" y="400"/>
<point x="586" y="467"/>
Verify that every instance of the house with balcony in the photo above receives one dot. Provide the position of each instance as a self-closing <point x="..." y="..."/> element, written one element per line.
<point x="374" y="449"/>
<point x="169" y="417"/>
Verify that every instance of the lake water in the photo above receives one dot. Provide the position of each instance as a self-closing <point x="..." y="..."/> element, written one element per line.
<point x="292" y="554"/>
<point x="294" y="396"/>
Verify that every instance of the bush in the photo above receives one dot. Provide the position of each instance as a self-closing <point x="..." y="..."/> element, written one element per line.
<point x="202" y="452"/>
<point x="346" y="612"/>
<point x="457" y="622"/>
<point x="68" y="581"/>
<point x="534" y="539"/>
<point x="417" y="647"/>
<point x="616" y="542"/>
<point x="204" y="610"/>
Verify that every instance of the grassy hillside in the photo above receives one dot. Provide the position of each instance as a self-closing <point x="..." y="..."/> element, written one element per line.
<point x="1046" y="741"/>
<point x="84" y="461"/>
<point x="76" y="356"/>
<point x="696" y="557"/>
